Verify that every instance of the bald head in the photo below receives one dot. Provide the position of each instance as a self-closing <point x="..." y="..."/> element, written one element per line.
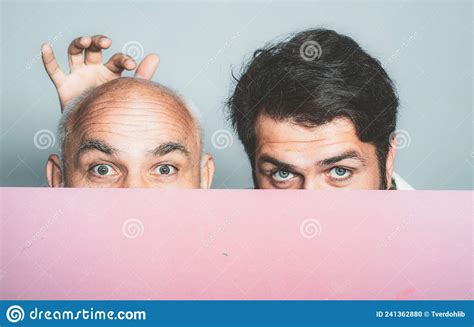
<point x="137" y="96"/>
<point x="130" y="133"/>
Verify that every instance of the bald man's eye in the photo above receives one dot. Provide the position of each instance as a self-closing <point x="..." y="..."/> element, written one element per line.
<point x="282" y="175"/>
<point x="165" y="170"/>
<point x="103" y="170"/>
<point x="340" y="173"/>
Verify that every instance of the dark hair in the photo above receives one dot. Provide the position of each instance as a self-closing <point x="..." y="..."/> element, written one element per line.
<point x="311" y="78"/>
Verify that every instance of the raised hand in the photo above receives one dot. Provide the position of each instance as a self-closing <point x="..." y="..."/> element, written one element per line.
<point x="86" y="67"/>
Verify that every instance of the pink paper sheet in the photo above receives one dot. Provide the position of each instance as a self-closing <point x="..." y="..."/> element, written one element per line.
<point x="239" y="244"/>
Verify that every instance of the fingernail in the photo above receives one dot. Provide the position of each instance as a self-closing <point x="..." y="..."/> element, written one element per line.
<point x="45" y="48"/>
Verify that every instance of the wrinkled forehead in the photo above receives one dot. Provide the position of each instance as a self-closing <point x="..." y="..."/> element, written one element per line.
<point x="134" y="120"/>
<point x="289" y="142"/>
<point x="288" y="132"/>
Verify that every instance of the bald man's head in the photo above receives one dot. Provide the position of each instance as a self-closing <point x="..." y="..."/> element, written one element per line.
<point x="130" y="133"/>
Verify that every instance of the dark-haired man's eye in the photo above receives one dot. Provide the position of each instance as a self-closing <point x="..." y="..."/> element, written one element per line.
<point x="340" y="173"/>
<point x="282" y="175"/>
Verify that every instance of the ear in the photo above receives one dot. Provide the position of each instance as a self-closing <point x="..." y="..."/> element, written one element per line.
<point x="53" y="171"/>
<point x="390" y="161"/>
<point x="207" y="171"/>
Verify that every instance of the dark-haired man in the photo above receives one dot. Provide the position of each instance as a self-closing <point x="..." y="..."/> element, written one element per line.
<point x="316" y="112"/>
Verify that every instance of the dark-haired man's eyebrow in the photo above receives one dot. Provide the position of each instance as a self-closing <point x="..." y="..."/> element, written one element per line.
<point x="280" y="164"/>
<point x="343" y="156"/>
<point x="96" y="144"/>
<point x="164" y="149"/>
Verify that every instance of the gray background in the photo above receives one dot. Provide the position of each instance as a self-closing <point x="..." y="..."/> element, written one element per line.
<point x="426" y="47"/>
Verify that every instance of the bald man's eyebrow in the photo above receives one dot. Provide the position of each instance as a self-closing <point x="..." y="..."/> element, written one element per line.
<point x="343" y="156"/>
<point x="95" y="144"/>
<point x="169" y="147"/>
